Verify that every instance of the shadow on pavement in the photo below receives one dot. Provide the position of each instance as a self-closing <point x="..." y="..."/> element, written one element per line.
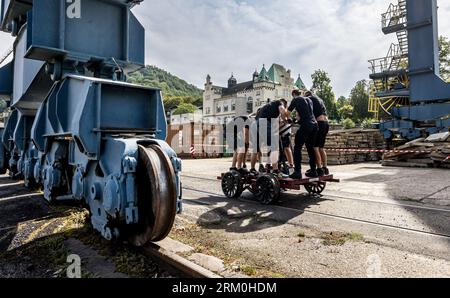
<point x="247" y="215"/>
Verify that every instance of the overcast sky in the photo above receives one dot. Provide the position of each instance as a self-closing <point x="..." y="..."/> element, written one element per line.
<point x="193" y="38"/>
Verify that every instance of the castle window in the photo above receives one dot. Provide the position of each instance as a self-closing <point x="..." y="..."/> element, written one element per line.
<point x="250" y="105"/>
<point x="208" y="111"/>
<point x="233" y="106"/>
<point x="219" y="109"/>
<point x="225" y="108"/>
<point x="258" y="93"/>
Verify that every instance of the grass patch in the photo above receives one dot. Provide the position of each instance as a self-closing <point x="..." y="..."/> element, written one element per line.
<point x="248" y="270"/>
<point x="205" y="241"/>
<point x="339" y="238"/>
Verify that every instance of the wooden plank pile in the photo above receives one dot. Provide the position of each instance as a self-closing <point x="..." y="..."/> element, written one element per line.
<point x="352" y="139"/>
<point x="433" y="151"/>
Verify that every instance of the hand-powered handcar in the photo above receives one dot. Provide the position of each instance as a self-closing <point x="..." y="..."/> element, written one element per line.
<point x="267" y="188"/>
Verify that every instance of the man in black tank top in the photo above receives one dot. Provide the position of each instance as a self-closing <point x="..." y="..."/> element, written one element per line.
<point x="306" y="135"/>
<point x="320" y="112"/>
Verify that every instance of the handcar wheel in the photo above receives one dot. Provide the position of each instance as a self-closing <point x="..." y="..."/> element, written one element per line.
<point x="157" y="196"/>
<point x="232" y="186"/>
<point x="315" y="188"/>
<point x="267" y="190"/>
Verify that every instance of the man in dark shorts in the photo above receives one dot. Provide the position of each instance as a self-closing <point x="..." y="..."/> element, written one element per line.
<point x="268" y="113"/>
<point x="320" y="112"/>
<point x="306" y="135"/>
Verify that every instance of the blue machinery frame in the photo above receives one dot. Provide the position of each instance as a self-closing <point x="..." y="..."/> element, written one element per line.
<point x="416" y="24"/>
<point x="77" y="129"/>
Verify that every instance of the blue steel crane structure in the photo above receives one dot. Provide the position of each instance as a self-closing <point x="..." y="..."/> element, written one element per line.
<point x="406" y="84"/>
<point x="76" y="128"/>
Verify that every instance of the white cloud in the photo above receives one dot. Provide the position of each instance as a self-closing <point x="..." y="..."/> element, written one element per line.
<point x="192" y="38"/>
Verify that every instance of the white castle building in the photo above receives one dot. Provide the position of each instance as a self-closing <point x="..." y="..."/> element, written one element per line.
<point x="241" y="99"/>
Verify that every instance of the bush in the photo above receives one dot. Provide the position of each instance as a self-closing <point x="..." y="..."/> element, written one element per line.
<point x="367" y="123"/>
<point x="348" y="124"/>
<point x="185" y="108"/>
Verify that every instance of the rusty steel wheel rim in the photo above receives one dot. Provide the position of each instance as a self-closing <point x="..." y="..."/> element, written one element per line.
<point x="157" y="196"/>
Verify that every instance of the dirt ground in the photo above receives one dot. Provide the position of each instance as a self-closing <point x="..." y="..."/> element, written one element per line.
<point x="378" y="222"/>
<point x="36" y="240"/>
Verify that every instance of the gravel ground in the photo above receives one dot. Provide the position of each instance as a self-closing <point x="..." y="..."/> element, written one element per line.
<point x="36" y="239"/>
<point x="295" y="238"/>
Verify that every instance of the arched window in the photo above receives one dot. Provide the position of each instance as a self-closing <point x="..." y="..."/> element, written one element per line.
<point x="250" y="105"/>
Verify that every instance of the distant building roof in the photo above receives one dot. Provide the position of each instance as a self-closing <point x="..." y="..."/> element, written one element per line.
<point x="300" y="85"/>
<point x="263" y="76"/>
<point x="276" y="72"/>
<point x="238" y="88"/>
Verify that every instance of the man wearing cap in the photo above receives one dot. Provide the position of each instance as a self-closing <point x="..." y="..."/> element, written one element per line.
<point x="320" y="112"/>
<point x="306" y="135"/>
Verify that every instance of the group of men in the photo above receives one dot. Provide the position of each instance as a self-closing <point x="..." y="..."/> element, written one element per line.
<point x="268" y="136"/>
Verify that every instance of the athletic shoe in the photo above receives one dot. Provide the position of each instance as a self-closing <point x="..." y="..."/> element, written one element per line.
<point x="254" y="172"/>
<point x="326" y="171"/>
<point x="262" y="169"/>
<point x="311" y="174"/>
<point x="291" y="170"/>
<point x="296" y="176"/>
<point x="233" y="169"/>
<point x="320" y="172"/>
<point x="243" y="171"/>
<point x="278" y="174"/>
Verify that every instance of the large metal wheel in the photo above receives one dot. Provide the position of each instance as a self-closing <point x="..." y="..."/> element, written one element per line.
<point x="157" y="196"/>
<point x="267" y="189"/>
<point x="315" y="188"/>
<point x="232" y="186"/>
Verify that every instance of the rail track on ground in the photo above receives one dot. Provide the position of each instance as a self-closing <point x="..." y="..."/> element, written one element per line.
<point x="171" y="262"/>
<point x="330" y="215"/>
<point x="412" y="206"/>
<point x="175" y="263"/>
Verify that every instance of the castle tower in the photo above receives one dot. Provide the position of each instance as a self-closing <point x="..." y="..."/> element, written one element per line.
<point x="232" y="81"/>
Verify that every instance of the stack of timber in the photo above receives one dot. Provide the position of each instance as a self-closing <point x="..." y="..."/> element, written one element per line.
<point x="433" y="151"/>
<point x="352" y="140"/>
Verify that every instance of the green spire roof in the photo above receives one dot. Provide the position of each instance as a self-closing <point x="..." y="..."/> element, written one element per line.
<point x="300" y="85"/>
<point x="275" y="73"/>
<point x="263" y="76"/>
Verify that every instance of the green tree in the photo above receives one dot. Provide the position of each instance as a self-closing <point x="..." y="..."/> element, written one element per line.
<point x="359" y="99"/>
<point x="171" y="86"/>
<point x="185" y="108"/>
<point x="322" y="87"/>
<point x="171" y="103"/>
<point x="345" y="112"/>
<point x="341" y="102"/>
<point x="444" y="58"/>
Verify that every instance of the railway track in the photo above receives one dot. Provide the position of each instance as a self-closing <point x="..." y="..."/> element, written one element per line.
<point x="412" y="206"/>
<point x="169" y="261"/>
<point x="339" y="217"/>
<point x="174" y="262"/>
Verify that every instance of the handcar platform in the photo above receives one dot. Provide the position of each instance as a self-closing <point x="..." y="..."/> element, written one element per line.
<point x="268" y="188"/>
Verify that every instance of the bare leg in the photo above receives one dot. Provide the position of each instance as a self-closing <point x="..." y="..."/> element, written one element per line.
<point x="235" y="159"/>
<point x="318" y="158"/>
<point x="324" y="157"/>
<point x="289" y="156"/>
<point x="253" y="161"/>
<point x="240" y="160"/>
<point x="274" y="155"/>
